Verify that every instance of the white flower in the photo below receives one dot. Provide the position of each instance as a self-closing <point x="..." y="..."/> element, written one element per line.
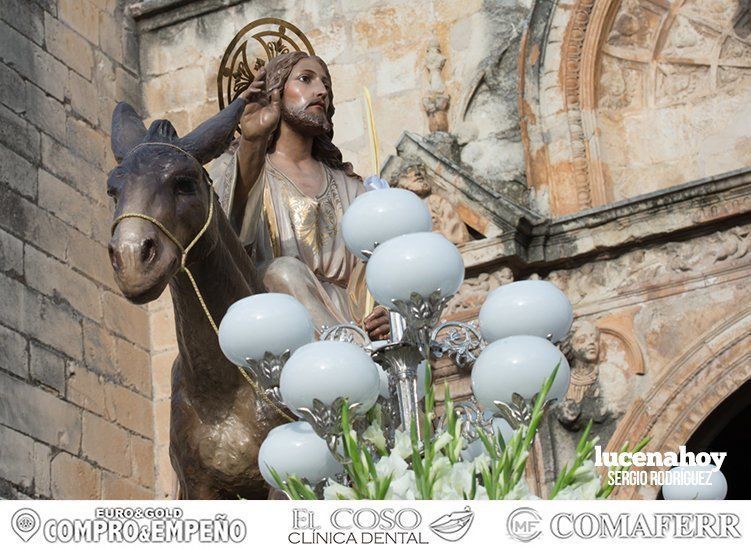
<point x="403" y="486"/>
<point x="393" y="465"/>
<point x="441" y="464"/>
<point x="521" y="491"/>
<point x="585" y="485"/>
<point x="374" y="435"/>
<point x="587" y="490"/>
<point x="442" y="440"/>
<point x="481" y="462"/>
<point x="481" y="493"/>
<point x="585" y="472"/>
<point x="402" y="444"/>
<point x="454" y="481"/>
<point x="334" y="490"/>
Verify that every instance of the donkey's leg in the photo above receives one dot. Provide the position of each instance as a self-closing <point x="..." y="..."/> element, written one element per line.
<point x="203" y="489"/>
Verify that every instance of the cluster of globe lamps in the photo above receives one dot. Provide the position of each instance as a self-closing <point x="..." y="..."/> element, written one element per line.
<point x="412" y="272"/>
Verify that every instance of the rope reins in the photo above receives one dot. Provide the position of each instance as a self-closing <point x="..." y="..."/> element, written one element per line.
<point x="184" y="267"/>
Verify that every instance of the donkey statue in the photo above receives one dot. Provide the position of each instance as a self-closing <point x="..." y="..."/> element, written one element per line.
<point x="163" y="201"/>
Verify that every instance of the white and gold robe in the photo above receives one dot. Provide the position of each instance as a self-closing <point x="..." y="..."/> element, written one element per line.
<point x="296" y="241"/>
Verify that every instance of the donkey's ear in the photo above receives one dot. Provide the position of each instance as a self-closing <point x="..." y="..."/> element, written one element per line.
<point x="162" y="131"/>
<point x="213" y="136"/>
<point x="127" y="130"/>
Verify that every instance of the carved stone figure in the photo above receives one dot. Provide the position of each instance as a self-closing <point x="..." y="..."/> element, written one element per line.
<point x="286" y="188"/>
<point x="585" y="350"/>
<point x="446" y="220"/>
<point x="436" y="101"/>
<point x="582" y="349"/>
<point x="164" y="202"/>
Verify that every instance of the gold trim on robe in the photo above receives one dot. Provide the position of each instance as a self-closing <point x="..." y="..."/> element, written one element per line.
<point x="279" y="220"/>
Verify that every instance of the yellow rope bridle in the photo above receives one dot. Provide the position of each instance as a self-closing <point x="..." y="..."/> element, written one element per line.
<point x="184" y="267"/>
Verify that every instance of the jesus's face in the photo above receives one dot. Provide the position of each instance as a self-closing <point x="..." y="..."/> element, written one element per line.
<point x="306" y="99"/>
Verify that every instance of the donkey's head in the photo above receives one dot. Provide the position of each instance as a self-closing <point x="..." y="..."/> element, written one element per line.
<point x="160" y="178"/>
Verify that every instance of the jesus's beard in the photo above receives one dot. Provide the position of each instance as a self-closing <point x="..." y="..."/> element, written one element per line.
<point x="309" y="123"/>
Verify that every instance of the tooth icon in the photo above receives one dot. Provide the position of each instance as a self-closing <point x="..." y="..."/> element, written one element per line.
<point x="453" y="526"/>
<point x="25" y="523"/>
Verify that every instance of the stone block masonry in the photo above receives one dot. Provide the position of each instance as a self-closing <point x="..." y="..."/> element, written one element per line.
<point x="76" y="397"/>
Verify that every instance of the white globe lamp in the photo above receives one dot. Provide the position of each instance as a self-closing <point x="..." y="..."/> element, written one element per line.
<point x="529" y="307"/>
<point x="518" y="364"/>
<point x="417" y="262"/>
<point x="295" y="449"/>
<point x="327" y="370"/>
<point x="264" y="323"/>
<point x="380" y="215"/>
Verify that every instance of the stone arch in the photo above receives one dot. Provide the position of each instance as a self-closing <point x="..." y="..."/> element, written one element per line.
<point x="686" y="393"/>
<point x="559" y="54"/>
<point x="618" y="98"/>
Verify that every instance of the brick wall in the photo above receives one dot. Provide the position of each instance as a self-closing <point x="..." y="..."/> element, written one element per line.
<point x="76" y="391"/>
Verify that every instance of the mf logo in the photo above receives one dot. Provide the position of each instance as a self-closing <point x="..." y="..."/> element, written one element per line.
<point x="523" y="524"/>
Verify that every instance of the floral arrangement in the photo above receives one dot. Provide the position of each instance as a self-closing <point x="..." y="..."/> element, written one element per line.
<point x="432" y="465"/>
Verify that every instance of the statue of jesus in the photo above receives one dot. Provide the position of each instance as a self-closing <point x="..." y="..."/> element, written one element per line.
<point x="286" y="187"/>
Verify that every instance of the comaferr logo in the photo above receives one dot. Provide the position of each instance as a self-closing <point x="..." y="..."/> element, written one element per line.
<point x="640" y="525"/>
<point x="524" y="524"/>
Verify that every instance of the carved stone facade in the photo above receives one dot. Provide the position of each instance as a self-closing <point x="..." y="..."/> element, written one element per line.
<point x="436" y="101"/>
<point x="600" y="145"/>
<point x="637" y="96"/>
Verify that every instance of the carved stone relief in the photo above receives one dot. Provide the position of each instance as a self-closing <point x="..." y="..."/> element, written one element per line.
<point x="689" y="50"/>
<point x="446" y="220"/>
<point x="677" y="71"/>
<point x="696" y="381"/>
<point x="474" y="291"/>
<point x="643" y="269"/>
<point x="603" y="357"/>
<point x="621" y="86"/>
<point x="636" y="25"/>
<point x="627" y="97"/>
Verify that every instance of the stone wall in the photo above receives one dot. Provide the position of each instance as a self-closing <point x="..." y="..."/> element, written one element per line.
<point x="76" y="417"/>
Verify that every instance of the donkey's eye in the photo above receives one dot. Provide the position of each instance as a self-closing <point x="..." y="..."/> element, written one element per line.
<point x="185" y="185"/>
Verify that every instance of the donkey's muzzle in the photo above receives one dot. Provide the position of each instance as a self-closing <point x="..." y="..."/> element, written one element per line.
<point x="143" y="259"/>
<point x="133" y="254"/>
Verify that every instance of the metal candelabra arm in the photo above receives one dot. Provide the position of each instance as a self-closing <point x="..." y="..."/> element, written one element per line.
<point x="472" y="420"/>
<point x="346" y="333"/>
<point x="267" y="372"/>
<point x="401" y="360"/>
<point x="518" y="412"/>
<point x="326" y="421"/>
<point x="420" y="315"/>
<point x="459" y="341"/>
